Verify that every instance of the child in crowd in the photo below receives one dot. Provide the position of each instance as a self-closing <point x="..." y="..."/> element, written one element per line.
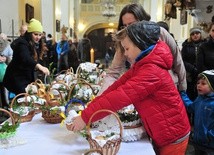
<point x="203" y="109"/>
<point x="149" y="87"/>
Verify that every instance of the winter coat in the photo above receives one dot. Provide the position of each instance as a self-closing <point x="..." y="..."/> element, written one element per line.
<point x="177" y="72"/>
<point x="20" y="71"/>
<point x="149" y="87"/>
<point x="62" y="48"/>
<point x="205" y="56"/>
<point x="189" y="52"/>
<point x="203" y="109"/>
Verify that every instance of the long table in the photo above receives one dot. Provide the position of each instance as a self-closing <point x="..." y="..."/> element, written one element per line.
<point x="41" y="138"/>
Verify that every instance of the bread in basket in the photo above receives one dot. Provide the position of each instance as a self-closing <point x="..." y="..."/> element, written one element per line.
<point x="22" y="108"/>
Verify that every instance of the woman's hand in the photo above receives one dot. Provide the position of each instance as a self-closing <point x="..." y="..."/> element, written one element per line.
<point x="78" y="124"/>
<point x="43" y="69"/>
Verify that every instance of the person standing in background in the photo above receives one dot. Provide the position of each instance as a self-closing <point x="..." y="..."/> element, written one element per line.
<point x="22" y="30"/>
<point x="133" y="13"/>
<point x="73" y="60"/>
<point x="62" y="49"/>
<point x="83" y="49"/>
<point x="6" y="54"/>
<point x="205" y="56"/>
<point x="20" y="71"/>
<point x="189" y="52"/>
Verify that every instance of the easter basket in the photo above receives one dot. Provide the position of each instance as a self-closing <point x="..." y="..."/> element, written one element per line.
<point x="98" y="141"/>
<point x="52" y="115"/>
<point x="90" y="72"/>
<point x="8" y="130"/>
<point x="82" y="90"/>
<point x="52" y="109"/>
<point x="92" y="151"/>
<point x="133" y="127"/>
<point x="72" y="108"/>
<point x="22" y="108"/>
<point x="65" y="76"/>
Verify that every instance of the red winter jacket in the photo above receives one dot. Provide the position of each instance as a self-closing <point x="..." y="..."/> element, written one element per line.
<point x="149" y="87"/>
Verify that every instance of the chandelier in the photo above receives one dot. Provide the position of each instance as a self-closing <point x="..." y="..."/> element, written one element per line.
<point x="109" y="9"/>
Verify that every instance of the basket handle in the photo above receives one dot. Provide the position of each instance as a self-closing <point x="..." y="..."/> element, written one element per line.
<point x="80" y="82"/>
<point x="12" y="119"/>
<point x="93" y="150"/>
<point x="21" y="94"/>
<point x="59" y="82"/>
<point x="99" y="111"/>
<point x="71" y="101"/>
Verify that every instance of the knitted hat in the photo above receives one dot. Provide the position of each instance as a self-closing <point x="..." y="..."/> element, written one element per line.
<point x="35" y="26"/>
<point x="194" y="29"/>
<point x="209" y="75"/>
<point x="144" y="34"/>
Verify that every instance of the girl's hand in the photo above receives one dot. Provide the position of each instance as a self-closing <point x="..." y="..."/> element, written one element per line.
<point x="78" y="124"/>
<point x="43" y="69"/>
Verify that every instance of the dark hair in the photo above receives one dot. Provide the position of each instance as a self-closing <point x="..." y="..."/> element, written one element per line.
<point x="163" y="24"/>
<point x="137" y="10"/>
<point x="210" y="26"/>
<point x="28" y="37"/>
<point x="49" y="36"/>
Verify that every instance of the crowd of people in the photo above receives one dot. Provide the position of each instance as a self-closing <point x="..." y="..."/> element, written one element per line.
<point x="164" y="83"/>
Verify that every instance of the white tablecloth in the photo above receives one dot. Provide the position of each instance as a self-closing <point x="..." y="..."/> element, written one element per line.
<point x="41" y="138"/>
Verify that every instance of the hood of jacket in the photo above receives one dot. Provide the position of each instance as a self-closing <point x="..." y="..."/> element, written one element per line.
<point x="160" y="56"/>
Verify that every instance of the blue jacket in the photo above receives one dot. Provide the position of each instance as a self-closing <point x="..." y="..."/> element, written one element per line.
<point x="62" y="48"/>
<point x="203" y="109"/>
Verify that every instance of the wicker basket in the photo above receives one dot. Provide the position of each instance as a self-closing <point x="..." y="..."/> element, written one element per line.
<point x="68" y="107"/>
<point x="92" y="151"/>
<point x="49" y="115"/>
<point x="80" y="83"/>
<point x="4" y="135"/>
<point x="111" y="147"/>
<point x="63" y="76"/>
<point x="18" y="117"/>
<point x="52" y="117"/>
<point x="62" y="88"/>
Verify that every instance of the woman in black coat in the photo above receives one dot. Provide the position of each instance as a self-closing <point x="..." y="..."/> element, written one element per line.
<point x="20" y="71"/>
<point x="205" y="56"/>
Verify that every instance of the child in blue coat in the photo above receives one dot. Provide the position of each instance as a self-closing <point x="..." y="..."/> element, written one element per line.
<point x="203" y="109"/>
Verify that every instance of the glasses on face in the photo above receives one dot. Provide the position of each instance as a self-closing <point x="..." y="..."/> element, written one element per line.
<point x="192" y="34"/>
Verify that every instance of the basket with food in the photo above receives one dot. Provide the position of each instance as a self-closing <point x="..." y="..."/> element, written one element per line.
<point x="133" y="127"/>
<point x="65" y="76"/>
<point x="83" y="91"/>
<point x="53" y="107"/>
<point x="22" y="108"/>
<point x="72" y="108"/>
<point x="90" y="72"/>
<point x="107" y="141"/>
<point x="7" y="129"/>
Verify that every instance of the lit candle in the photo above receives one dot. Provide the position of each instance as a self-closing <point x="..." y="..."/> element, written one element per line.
<point x="92" y="55"/>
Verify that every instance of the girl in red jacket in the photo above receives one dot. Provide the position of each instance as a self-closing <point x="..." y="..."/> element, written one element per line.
<point x="149" y="87"/>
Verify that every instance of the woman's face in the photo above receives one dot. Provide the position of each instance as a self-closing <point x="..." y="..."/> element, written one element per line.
<point x="203" y="87"/>
<point x="36" y="36"/>
<point x="195" y="36"/>
<point x="131" y="51"/>
<point x="212" y="32"/>
<point x="128" y="19"/>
